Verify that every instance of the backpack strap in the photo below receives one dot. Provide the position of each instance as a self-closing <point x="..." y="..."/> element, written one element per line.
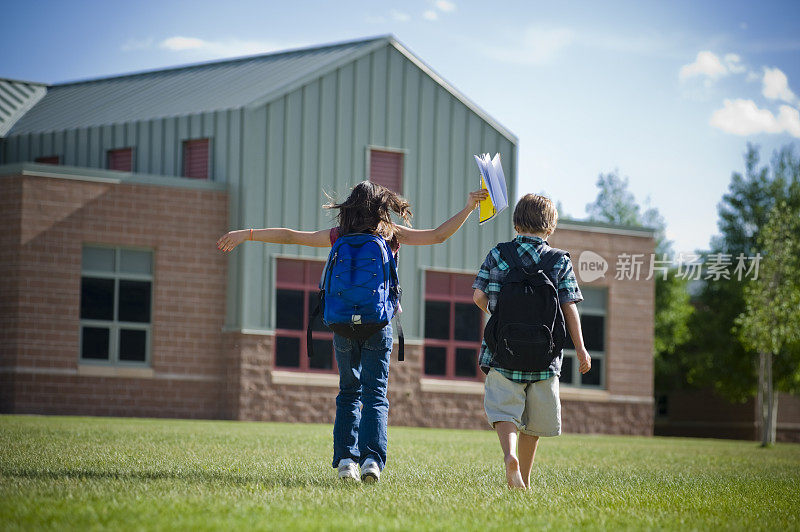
<point x="548" y="259"/>
<point x="509" y="254"/>
<point x="309" y="342"/>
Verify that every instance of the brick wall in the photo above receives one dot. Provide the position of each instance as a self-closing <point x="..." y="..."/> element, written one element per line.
<point x="46" y="221"/>
<point x="631" y="304"/>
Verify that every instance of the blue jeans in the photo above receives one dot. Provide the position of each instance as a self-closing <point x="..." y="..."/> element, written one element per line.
<point x="360" y="433"/>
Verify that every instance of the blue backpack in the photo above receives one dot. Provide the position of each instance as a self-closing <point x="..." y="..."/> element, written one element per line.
<point x="359" y="290"/>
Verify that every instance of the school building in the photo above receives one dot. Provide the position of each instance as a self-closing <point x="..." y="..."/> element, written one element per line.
<point x="114" y="299"/>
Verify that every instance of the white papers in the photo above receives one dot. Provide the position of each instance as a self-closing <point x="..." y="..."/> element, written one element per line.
<point x="494" y="180"/>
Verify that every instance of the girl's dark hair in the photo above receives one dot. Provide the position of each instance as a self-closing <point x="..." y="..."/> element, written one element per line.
<point x="368" y="209"/>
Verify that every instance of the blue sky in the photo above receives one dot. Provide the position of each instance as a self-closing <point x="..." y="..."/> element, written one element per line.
<point x="668" y="93"/>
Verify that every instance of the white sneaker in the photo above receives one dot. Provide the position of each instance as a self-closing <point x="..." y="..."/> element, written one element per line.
<point x="348" y="470"/>
<point x="370" y="472"/>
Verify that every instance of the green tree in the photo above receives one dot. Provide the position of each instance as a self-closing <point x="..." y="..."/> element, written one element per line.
<point x="673" y="311"/>
<point x="770" y="324"/>
<point x="716" y="355"/>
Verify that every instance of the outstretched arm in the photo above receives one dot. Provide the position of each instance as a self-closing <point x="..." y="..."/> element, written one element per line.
<point x="424" y="237"/>
<point x="275" y="235"/>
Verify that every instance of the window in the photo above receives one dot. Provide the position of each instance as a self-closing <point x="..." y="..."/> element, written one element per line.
<point x="296" y="289"/>
<point x="386" y="168"/>
<point x="50" y="159"/>
<point x="195" y="158"/>
<point x="593" y="323"/>
<point x="116" y="305"/>
<point x="121" y="159"/>
<point x="453" y="327"/>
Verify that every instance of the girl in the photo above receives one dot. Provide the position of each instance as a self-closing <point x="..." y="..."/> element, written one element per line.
<point x="359" y="434"/>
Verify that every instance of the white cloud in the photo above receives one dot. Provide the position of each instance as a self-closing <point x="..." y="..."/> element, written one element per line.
<point x="707" y="64"/>
<point x="183" y="43"/>
<point x="399" y="16"/>
<point x="137" y="44"/>
<point x="743" y="117"/>
<point x="776" y="85"/>
<point x="221" y="48"/>
<point x="734" y="64"/>
<point x="430" y="14"/>
<point x="445" y="5"/>
<point x="537" y="46"/>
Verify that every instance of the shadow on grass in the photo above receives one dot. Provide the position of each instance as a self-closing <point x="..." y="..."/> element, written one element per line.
<point x="199" y="477"/>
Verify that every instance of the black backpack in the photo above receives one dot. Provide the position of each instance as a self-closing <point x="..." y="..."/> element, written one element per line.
<point x="526" y="332"/>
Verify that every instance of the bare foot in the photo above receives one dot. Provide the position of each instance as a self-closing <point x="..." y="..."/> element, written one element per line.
<point x="513" y="476"/>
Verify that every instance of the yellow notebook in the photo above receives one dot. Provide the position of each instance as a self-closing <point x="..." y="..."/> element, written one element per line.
<point x="494" y="181"/>
<point x="486" y="207"/>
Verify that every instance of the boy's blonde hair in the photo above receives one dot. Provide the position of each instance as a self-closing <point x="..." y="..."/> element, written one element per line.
<point x="535" y="214"/>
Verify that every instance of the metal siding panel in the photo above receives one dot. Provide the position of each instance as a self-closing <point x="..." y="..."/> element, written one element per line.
<point x="475" y="248"/>
<point x="327" y="163"/>
<point x="131" y="134"/>
<point x="394" y="99"/>
<point x="232" y="294"/>
<point x="47" y="142"/>
<point x="293" y="161"/>
<point x="252" y="193"/>
<point x="377" y="129"/>
<point x="409" y="263"/>
<point x="23" y="149"/>
<point x="441" y="172"/>
<point x="275" y="182"/>
<point x="168" y="144"/>
<point x="155" y="155"/>
<point x="425" y="169"/>
<point x="344" y="130"/>
<point x="459" y="182"/>
<point x="308" y="199"/>
<point x="219" y="145"/>
<point x="82" y="149"/>
<point x="117" y="136"/>
<point x="361" y="118"/>
<point x="70" y="157"/>
<point x="141" y="147"/>
<point x="60" y="144"/>
<point x="182" y="134"/>
<point x="95" y="153"/>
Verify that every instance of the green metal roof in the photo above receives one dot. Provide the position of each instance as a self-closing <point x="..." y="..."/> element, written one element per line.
<point x="180" y="91"/>
<point x="211" y="86"/>
<point x="16" y="98"/>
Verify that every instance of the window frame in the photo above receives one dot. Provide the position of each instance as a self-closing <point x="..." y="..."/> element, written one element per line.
<point x="124" y="148"/>
<point x="400" y="151"/>
<point x="451" y="344"/>
<point x="184" y="144"/>
<point x="48" y="159"/>
<point x="114" y="326"/>
<point x="596" y="355"/>
<point x="308" y="286"/>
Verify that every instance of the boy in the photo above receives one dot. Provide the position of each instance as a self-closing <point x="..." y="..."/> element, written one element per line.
<point x="527" y="401"/>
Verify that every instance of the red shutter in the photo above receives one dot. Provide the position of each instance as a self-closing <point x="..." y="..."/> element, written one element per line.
<point x="386" y="168"/>
<point x="50" y="159"/>
<point x="121" y="160"/>
<point x="195" y="158"/>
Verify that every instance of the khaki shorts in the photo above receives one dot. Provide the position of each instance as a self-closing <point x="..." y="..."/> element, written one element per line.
<point x="534" y="408"/>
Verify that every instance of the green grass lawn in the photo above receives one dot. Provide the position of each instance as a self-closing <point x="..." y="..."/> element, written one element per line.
<point x="81" y="473"/>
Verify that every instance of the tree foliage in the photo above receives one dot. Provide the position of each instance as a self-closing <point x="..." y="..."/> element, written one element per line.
<point x="716" y="355"/>
<point x="673" y="310"/>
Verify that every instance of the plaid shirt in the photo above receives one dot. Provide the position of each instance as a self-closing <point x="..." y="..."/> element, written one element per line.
<point x="490" y="280"/>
